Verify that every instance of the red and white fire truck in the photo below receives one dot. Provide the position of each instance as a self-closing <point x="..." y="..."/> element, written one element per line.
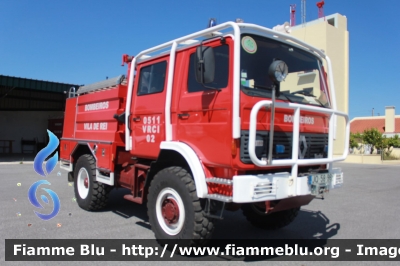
<point x="236" y="116"/>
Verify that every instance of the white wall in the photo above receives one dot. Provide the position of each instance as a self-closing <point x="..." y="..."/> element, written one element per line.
<point x="366" y="149"/>
<point x="15" y="125"/>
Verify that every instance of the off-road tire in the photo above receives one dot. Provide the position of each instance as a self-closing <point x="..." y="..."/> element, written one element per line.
<point x="195" y="226"/>
<point x="96" y="197"/>
<point x="271" y="221"/>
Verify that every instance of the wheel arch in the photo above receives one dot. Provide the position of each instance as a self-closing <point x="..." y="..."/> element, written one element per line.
<point x="180" y="154"/>
<point x="79" y="150"/>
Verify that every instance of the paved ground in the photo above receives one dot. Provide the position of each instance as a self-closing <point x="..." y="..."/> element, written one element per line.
<point x="365" y="208"/>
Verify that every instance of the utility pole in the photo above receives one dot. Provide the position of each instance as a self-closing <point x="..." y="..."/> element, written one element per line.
<point x="320" y="6"/>
<point x="303" y="12"/>
<point x="293" y="15"/>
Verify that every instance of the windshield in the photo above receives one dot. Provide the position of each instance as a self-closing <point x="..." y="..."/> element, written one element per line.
<point x="305" y="82"/>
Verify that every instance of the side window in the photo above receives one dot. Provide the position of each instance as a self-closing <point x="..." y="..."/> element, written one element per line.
<point x="221" y="70"/>
<point x="152" y="78"/>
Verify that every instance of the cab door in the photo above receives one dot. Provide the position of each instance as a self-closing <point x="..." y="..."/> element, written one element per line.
<point x="147" y="111"/>
<point x="204" y="114"/>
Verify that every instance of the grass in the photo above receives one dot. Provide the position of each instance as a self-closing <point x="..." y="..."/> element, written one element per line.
<point x="388" y="156"/>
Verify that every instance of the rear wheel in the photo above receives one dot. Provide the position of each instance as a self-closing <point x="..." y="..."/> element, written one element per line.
<point x="174" y="209"/>
<point x="90" y="195"/>
<point x="256" y="215"/>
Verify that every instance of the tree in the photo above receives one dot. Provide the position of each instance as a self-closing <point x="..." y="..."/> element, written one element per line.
<point x="373" y="137"/>
<point x="355" y="139"/>
<point x="393" y="142"/>
<point x="387" y="145"/>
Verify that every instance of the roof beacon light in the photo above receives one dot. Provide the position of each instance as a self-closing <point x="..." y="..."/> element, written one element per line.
<point x="284" y="28"/>
<point x="239" y="20"/>
<point x="212" y="22"/>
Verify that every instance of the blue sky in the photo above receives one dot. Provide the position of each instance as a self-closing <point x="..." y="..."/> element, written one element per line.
<point x="82" y="41"/>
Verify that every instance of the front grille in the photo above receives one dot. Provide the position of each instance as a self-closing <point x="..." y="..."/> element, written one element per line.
<point x="310" y="145"/>
<point x="264" y="189"/>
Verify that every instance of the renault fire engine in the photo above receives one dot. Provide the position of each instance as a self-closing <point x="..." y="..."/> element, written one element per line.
<point x="236" y="116"/>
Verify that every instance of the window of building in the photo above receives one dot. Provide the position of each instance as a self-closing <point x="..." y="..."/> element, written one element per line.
<point x="221" y="70"/>
<point x="332" y="22"/>
<point x="152" y="78"/>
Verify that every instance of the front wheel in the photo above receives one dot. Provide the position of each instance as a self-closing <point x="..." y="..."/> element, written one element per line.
<point x="256" y="215"/>
<point x="174" y="209"/>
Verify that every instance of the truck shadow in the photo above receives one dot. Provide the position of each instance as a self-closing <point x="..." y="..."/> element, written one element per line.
<point x="307" y="225"/>
<point x="127" y="209"/>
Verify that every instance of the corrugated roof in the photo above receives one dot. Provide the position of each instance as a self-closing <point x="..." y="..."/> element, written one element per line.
<point x="358" y="125"/>
<point x="34" y="84"/>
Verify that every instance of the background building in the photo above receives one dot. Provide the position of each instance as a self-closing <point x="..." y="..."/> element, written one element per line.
<point x="28" y="108"/>
<point x="388" y="125"/>
<point x="330" y="34"/>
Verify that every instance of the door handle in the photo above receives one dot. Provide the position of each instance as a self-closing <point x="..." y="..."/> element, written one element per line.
<point x="185" y="115"/>
<point x="136" y="119"/>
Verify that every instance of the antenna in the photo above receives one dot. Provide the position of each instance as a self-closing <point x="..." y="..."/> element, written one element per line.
<point x="320" y="6"/>
<point x="303" y="12"/>
<point x="292" y="15"/>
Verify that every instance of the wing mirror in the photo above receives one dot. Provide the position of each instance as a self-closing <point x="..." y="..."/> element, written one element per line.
<point x="205" y="64"/>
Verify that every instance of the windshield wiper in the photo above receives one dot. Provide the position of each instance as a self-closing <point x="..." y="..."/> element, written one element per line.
<point x="252" y="92"/>
<point x="306" y="92"/>
<point x="270" y="89"/>
<point x="287" y="98"/>
<point x="263" y="87"/>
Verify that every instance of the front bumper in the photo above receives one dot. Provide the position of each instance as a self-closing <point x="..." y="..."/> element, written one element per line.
<point x="258" y="188"/>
